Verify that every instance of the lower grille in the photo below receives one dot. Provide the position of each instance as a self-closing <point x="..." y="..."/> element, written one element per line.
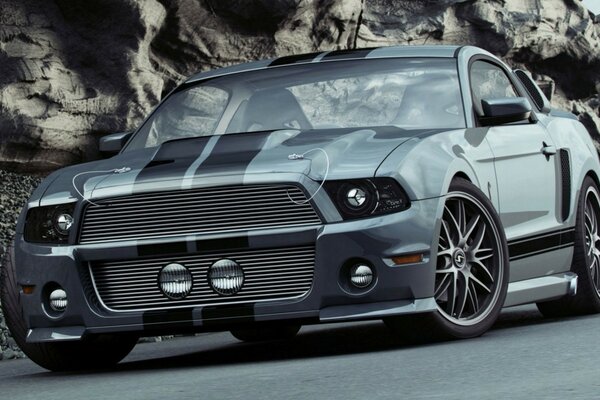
<point x="270" y="274"/>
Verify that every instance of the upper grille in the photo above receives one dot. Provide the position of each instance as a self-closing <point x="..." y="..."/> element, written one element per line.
<point x="270" y="274"/>
<point x="196" y="211"/>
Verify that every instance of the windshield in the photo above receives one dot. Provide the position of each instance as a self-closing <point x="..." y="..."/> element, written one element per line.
<point x="408" y="93"/>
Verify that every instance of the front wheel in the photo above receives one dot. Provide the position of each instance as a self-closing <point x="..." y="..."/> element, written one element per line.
<point x="93" y="352"/>
<point x="471" y="276"/>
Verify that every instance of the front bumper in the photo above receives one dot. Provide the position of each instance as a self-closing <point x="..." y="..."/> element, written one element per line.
<point x="399" y="289"/>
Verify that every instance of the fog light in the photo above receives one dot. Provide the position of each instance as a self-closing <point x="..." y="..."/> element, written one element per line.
<point x="58" y="300"/>
<point x="226" y="277"/>
<point x="361" y="275"/>
<point x="175" y="281"/>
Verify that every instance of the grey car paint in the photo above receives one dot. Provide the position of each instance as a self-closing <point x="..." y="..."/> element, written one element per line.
<point x="506" y="162"/>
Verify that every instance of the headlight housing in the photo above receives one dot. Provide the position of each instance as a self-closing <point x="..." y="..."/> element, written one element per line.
<point x="361" y="198"/>
<point x="49" y="224"/>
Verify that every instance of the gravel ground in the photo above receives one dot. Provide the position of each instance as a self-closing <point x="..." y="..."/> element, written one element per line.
<point x="14" y="191"/>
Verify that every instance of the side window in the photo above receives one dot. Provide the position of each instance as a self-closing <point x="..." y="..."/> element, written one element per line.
<point x="489" y="81"/>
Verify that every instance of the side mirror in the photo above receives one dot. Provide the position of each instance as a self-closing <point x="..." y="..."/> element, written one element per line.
<point x="504" y="110"/>
<point x="112" y="144"/>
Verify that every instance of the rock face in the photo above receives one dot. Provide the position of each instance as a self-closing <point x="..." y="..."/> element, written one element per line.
<point x="71" y="71"/>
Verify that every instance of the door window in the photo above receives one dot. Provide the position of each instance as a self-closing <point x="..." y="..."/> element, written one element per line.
<point x="489" y="81"/>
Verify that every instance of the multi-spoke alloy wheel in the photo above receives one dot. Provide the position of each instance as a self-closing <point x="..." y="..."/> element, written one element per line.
<point x="468" y="263"/>
<point x="471" y="271"/>
<point x="592" y="239"/>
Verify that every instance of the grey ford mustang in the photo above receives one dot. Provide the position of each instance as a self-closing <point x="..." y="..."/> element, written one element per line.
<point x="425" y="186"/>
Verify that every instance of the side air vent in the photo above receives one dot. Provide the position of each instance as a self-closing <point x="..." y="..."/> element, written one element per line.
<point x="565" y="169"/>
<point x="532" y="89"/>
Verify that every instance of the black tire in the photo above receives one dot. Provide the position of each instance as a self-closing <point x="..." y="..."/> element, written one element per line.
<point x="94" y="352"/>
<point x="446" y="325"/>
<point x="266" y="332"/>
<point x="587" y="299"/>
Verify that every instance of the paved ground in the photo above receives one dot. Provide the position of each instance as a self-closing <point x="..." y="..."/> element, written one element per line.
<point x="524" y="356"/>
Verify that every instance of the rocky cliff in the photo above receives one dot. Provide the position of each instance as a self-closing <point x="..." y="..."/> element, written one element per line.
<point x="71" y="71"/>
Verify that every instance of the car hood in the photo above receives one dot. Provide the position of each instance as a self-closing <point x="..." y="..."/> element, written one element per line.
<point x="317" y="154"/>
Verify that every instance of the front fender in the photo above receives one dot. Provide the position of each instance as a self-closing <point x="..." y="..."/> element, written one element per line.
<point x="425" y="167"/>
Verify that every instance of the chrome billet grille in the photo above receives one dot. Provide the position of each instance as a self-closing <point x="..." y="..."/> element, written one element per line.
<point x="269" y="274"/>
<point x="196" y="211"/>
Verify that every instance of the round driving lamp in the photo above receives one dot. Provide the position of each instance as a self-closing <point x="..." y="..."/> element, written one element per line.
<point x="175" y="281"/>
<point x="226" y="277"/>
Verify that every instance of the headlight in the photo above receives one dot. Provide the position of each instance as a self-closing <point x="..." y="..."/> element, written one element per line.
<point x="50" y="224"/>
<point x="366" y="197"/>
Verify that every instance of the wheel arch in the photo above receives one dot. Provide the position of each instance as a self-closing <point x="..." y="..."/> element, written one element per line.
<point x="461" y="175"/>
<point x="592" y="174"/>
<point x="459" y="168"/>
<point x="588" y="170"/>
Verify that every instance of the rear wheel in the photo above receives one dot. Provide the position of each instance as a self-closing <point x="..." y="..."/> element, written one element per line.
<point x="471" y="273"/>
<point x="266" y="333"/>
<point x="586" y="259"/>
<point x="94" y="352"/>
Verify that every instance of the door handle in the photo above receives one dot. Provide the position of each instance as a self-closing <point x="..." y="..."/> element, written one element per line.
<point x="548" y="150"/>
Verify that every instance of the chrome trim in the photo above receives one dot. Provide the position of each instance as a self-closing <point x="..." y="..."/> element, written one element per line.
<point x="196" y="211"/>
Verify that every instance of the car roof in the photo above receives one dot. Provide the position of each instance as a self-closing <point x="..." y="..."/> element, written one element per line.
<point x="435" y="51"/>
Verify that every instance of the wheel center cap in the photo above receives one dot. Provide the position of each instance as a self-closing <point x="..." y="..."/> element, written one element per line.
<point x="459" y="258"/>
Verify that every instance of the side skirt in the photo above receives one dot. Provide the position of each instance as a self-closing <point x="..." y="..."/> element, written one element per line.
<point x="541" y="289"/>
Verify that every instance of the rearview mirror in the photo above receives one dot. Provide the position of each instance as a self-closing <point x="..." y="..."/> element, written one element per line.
<point x="504" y="110"/>
<point x="112" y="144"/>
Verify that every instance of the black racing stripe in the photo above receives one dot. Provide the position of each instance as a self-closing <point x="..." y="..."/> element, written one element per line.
<point x="347" y="54"/>
<point x="217" y="315"/>
<point x="318" y="136"/>
<point x="568" y="237"/>
<point x="547" y="250"/>
<point x="534" y="245"/>
<point x="161" y="249"/>
<point x="541" y="243"/>
<point x="172" y="159"/>
<point x="294" y="59"/>
<point x="222" y="244"/>
<point x="173" y="319"/>
<point x="539" y="235"/>
<point x="233" y="154"/>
